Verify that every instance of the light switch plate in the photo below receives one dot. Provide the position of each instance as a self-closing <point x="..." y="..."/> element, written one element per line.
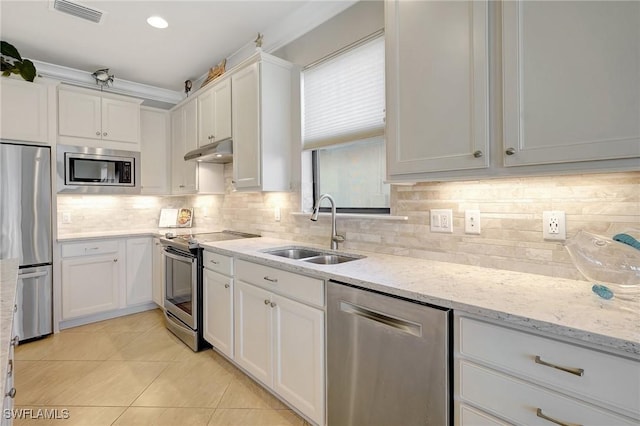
<point x="441" y="220"/>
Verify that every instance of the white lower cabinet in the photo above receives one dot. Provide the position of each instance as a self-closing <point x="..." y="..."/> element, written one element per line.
<point x="157" y="274"/>
<point x="218" y="302"/>
<point x="139" y="269"/>
<point x="90" y="284"/>
<point x="507" y="375"/>
<point x="279" y="340"/>
<point x="105" y="275"/>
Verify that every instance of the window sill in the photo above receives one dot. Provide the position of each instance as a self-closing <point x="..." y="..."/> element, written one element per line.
<point x="360" y="216"/>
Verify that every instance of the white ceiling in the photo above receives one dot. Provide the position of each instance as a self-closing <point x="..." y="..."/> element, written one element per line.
<point x="200" y="34"/>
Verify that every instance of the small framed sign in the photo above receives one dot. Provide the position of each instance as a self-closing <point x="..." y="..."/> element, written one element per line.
<point x="176" y="218"/>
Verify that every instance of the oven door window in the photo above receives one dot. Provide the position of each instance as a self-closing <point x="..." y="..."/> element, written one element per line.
<point x="179" y="283"/>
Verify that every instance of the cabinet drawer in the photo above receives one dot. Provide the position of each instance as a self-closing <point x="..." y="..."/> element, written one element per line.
<point x="605" y="378"/>
<point x="306" y="289"/>
<point x="218" y="262"/>
<point x="469" y="416"/>
<point x="89" y="248"/>
<point x="523" y="403"/>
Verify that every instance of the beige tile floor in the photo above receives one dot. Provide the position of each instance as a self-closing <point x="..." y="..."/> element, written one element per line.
<point x="132" y="371"/>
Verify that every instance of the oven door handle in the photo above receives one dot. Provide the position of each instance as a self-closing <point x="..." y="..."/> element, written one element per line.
<point x="179" y="257"/>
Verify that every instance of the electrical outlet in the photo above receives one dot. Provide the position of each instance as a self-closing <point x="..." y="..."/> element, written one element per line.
<point x="442" y="220"/>
<point x="66" y="217"/>
<point x="553" y="225"/>
<point x="472" y="222"/>
<point x="276" y="214"/>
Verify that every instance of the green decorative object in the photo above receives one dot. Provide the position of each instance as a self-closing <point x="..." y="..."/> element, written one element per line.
<point x="12" y="63"/>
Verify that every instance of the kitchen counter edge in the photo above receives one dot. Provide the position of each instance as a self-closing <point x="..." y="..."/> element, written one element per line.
<point x="561" y="308"/>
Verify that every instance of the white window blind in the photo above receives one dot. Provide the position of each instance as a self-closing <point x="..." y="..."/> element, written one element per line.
<point x="344" y="97"/>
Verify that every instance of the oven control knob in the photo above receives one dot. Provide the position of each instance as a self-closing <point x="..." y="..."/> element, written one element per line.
<point x="170" y="235"/>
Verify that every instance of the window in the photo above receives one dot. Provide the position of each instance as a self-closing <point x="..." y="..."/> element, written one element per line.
<point x="343" y="124"/>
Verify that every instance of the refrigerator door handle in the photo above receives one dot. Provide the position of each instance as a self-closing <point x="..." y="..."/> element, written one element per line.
<point x="32" y="275"/>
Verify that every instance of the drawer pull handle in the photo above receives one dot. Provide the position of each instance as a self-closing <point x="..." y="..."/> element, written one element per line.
<point x="540" y="414"/>
<point x="575" y="371"/>
<point x="214" y="262"/>
<point x="273" y="280"/>
<point x="10" y="368"/>
<point x="91" y="248"/>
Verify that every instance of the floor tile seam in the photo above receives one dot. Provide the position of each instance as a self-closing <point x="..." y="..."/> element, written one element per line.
<point x="149" y="385"/>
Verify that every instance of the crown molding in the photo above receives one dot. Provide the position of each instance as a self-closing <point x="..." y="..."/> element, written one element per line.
<point x="122" y="87"/>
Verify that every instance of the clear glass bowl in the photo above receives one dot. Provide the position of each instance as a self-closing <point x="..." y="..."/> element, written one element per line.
<point x="604" y="261"/>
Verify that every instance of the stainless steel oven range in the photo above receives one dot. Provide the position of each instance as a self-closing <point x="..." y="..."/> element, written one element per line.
<point x="183" y="283"/>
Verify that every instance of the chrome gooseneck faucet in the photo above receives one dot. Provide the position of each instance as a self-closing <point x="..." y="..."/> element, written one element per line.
<point x="335" y="238"/>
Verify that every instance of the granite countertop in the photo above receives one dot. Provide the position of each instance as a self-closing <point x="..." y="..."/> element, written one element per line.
<point x="151" y="232"/>
<point x="554" y="306"/>
<point x="8" y="284"/>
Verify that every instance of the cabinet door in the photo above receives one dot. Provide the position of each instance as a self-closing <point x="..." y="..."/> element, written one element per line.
<point x="90" y="284"/>
<point x="121" y="122"/>
<point x="190" y="168"/>
<point x="79" y="114"/>
<point x="218" y="311"/>
<point x="253" y="331"/>
<point x="139" y="266"/>
<point x="437" y="86"/>
<point x="299" y="356"/>
<point x="214" y="113"/>
<point x="157" y="275"/>
<point x="183" y="138"/>
<point x="571" y="72"/>
<point x="24" y="110"/>
<point x="245" y="104"/>
<point x="154" y="151"/>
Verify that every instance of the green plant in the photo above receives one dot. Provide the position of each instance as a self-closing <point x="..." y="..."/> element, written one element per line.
<point x="12" y="63"/>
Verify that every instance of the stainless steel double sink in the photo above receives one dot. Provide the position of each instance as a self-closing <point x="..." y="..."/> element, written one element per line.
<point x="312" y="255"/>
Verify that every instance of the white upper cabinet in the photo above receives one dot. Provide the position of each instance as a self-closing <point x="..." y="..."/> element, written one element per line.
<point x="571" y="81"/>
<point x="154" y="150"/>
<point x="24" y="110"/>
<point x="214" y="113"/>
<point x="87" y="117"/>
<point x="184" y="138"/>
<point x="262" y="109"/>
<point x="437" y="86"/>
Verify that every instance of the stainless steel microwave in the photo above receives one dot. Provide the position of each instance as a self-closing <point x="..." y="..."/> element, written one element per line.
<point x="97" y="170"/>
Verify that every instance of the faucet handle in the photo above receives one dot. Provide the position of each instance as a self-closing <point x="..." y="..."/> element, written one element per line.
<point x="338" y="238"/>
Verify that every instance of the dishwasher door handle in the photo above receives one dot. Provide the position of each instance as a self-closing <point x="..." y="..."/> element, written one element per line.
<point x="397" y="323"/>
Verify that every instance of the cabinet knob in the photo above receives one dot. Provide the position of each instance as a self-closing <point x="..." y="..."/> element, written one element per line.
<point x="273" y="305"/>
<point x="15" y="341"/>
<point x="478" y="154"/>
<point x="115" y="260"/>
<point x="510" y="151"/>
<point x="226" y="286"/>
<point x="11" y="393"/>
<point x="267" y="301"/>
<point x="10" y="368"/>
<point x="104" y="134"/>
<point x="97" y="133"/>
<point x="15" y="308"/>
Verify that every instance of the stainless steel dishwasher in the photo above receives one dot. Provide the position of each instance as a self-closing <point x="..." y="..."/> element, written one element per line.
<point x="387" y="360"/>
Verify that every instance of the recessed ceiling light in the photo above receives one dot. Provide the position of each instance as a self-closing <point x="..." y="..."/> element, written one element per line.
<point x="157" y="22"/>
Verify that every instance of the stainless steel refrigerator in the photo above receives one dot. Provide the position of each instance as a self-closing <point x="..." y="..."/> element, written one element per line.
<point x="25" y="234"/>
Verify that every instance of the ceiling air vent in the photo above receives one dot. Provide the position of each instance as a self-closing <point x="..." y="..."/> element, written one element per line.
<point x="78" y="10"/>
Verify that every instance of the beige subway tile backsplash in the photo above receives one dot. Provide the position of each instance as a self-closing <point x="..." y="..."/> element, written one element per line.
<point x="511" y="218"/>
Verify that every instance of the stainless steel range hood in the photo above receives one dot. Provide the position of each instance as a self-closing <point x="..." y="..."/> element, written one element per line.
<point x="216" y="152"/>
